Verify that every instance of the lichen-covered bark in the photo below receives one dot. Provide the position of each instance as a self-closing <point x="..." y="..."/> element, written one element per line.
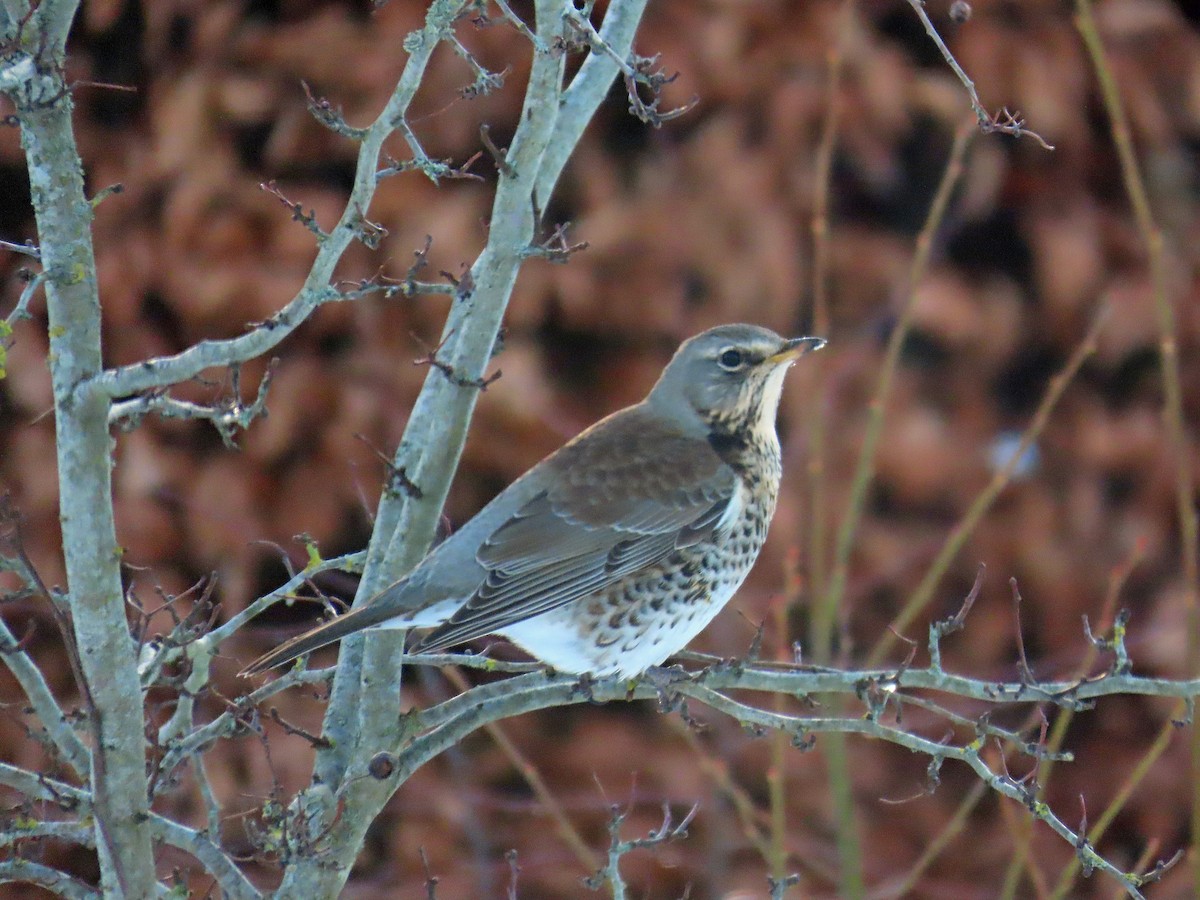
<point x="84" y="449"/>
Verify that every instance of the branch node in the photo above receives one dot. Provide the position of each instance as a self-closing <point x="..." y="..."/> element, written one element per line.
<point x="307" y="219"/>
<point x="556" y="248"/>
<point x="498" y="155"/>
<point x="330" y="116"/>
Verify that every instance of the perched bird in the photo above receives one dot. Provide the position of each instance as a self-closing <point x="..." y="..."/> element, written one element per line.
<point x="614" y="551"/>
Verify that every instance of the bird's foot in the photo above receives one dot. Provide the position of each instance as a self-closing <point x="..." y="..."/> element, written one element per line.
<point x="667" y="675"/>
<point x="584" y="686"/>
<point x="663" y="679"/>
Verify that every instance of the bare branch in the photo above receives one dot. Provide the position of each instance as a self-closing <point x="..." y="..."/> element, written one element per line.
<point x="351" y="562"/>
<point x="520" y="25"/>
<point x="779" y="886"/>
<point x="485" y="81"/>
<point x="432" y="359"/>
<point x="943" y="627"/>
<point x="587" y="91"/>
<point x="28" y="675"/>
<point x="330" y="116"/>
<point x="611" y="873"/>
<point x="637" y="70"/>
<point x="449" y="722"/>
<point x="317" y="289"/>
<point x="27" y="248"/>
<point x="1027" y="676"/>
<point x="307" y="219"/>
<point x="1003" y="121"/>
<point x="228" y="416"/>
<point x="24" y="870"/>
<point x="556" y="248"/>
<point x="498" y="157"/>
<point x="233" y="883"/>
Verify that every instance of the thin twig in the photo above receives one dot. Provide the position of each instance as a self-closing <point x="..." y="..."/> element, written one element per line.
<point x="26" y="249"/>
<point x="21" y="310"/>
<point x="821" y="244"/>
<point x="864" y="470"/>
<point x="958" y="536"/>
<point x="1003" y="121"/>
<point x="849" y="843"/>
<point x="1172" y="411"/>
<point x="567" y="831"/>
<point x="1151" y="757"/>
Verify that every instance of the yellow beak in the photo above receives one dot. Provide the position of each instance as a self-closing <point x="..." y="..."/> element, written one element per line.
<point x="793" y="349"/>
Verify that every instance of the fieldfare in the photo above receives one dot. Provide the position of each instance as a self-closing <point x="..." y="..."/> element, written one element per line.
<point x="614" y="551"/>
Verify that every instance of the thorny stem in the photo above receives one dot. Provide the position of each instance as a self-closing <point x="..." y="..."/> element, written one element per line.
<point x="1064" y="717"/>
<point x="1161" y="742"/>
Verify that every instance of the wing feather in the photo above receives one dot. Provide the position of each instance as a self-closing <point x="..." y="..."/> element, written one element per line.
<point x="619" y="498"/>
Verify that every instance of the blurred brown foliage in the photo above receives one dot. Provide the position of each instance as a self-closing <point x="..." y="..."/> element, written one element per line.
<point x="705" y="220"/>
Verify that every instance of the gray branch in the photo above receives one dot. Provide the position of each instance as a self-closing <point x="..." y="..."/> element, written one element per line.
<point x="228" y="723"/>
<point x="34" y="685"/>
<point x="84" y="448"/>
<point x="76" y="800"/>
<point x="587" y="91"/>
<point x="611" y="871"/>
<point x="1001" y="783"/>
<point x="21" y="310"/>
<point x="350" y="562"/>
<point x="447" y="724"/>
<point x="52" y="21"/>
<point x="360" y="719"/>
<point x="227" y="417"/>
<point x="75" y="832"/>
<point x="49" y="713"/>
<point x="318" y="286"/>
<point x="24" y="870"/>
<point x="26" y="249"/>
<point x="11" y="12"/>
<point x="215" y="860"/>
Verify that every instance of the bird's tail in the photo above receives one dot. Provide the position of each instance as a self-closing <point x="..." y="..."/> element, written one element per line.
<point x="325" y="633"/>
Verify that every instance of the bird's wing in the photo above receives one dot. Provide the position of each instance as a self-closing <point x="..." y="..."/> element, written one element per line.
<point x="618" y="499"/>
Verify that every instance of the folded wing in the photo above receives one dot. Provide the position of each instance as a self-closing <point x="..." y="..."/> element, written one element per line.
<point x="624" y="500"/>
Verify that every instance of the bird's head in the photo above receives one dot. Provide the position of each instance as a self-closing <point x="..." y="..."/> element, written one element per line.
<point x="729" y="378"/>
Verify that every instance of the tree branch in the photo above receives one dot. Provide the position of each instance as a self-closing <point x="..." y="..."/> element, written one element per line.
<point x="28" y="675"/>
<point x="233" y="883"/>
<point x="1003" y="121"/>
<point x="361" y="715"/>
<point x="586" y="92"/>
<point x="450" y="722"/>
<point x="57" y="882"/>
<point x="84" y="449"/>
<point x="317" y="288"/>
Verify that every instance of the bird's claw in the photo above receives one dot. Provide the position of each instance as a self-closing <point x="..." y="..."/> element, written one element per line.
<point x="663" y="679"/>
<point x="585" y="686"/>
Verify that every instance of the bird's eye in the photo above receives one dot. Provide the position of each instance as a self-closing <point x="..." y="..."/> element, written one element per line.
<point x="730" y="360"/>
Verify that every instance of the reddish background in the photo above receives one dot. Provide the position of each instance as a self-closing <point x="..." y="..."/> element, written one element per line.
<point x="703" y="221"/>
